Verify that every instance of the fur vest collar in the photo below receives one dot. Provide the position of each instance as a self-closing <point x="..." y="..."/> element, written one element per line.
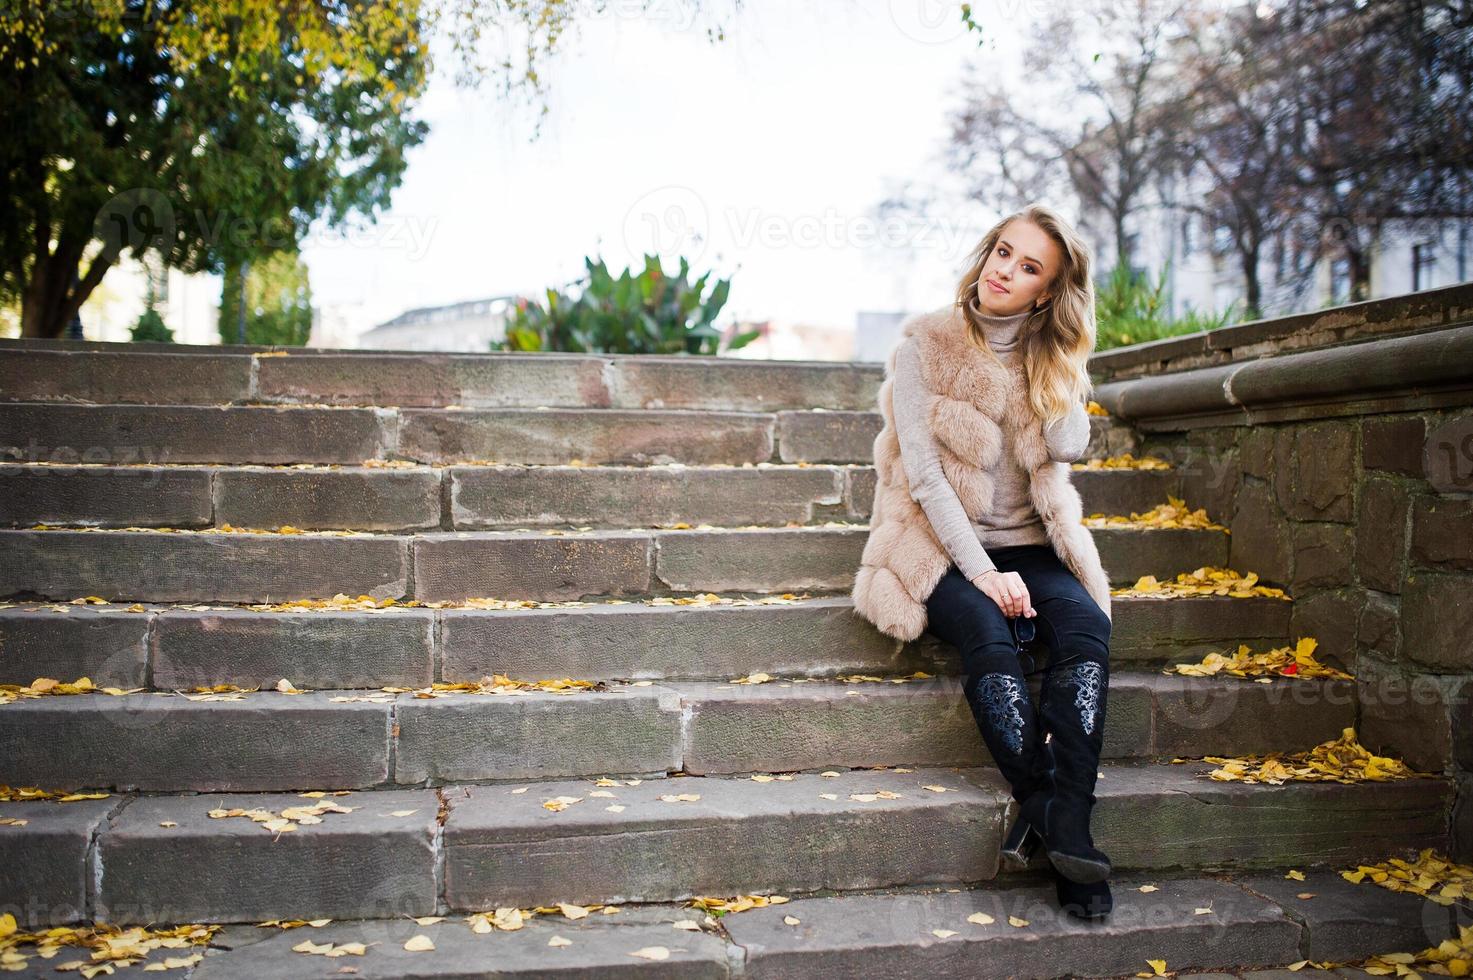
<point x="972" y="398"/>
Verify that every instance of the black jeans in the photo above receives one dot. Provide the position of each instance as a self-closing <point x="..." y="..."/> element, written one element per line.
<point x="1069" y="622"/>
<point x="1076" y="633"/>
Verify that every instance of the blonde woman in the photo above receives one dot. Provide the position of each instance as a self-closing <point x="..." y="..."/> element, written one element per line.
<point x="975" y="532"/>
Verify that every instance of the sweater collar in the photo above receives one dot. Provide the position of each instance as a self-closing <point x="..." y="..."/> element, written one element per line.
<point x="1002" y="331"/>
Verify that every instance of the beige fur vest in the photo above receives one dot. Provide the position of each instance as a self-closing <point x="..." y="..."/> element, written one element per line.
<point x="971" y="397"/>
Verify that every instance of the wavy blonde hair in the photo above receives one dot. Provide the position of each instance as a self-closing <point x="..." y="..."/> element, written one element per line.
<point x="1056" y="340"/>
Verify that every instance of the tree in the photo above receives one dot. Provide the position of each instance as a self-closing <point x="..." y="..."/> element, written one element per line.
<point x="213" y="131"/>
<point x="1241" y="131"/>
<point x="278" y="303"/>
<point x="1318" y="121"/>
<point x="208" y="130"/>
<point x="1105" y="62"/>
<point x="1383" y="98"/>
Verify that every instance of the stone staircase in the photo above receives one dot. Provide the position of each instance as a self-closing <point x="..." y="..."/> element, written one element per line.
<point x="655" y="528"/>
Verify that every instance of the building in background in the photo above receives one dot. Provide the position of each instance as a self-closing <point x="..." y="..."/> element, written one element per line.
<point x="1206" y="272"/>
<point x="338" y="326"/>
<point x="467" y="326"/>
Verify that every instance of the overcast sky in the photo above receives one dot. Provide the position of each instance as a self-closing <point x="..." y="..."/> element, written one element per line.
<point x="759" y="157"/>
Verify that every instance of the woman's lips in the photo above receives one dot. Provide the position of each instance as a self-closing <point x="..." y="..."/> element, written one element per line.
<point x="995" y="287"/>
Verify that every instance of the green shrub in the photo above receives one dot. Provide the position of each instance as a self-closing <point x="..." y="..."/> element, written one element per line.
<point x="1129" y="309"/>
<point x="278" y="303"/>
<point x="644" y="313"/>
<point x="151" y="327"/>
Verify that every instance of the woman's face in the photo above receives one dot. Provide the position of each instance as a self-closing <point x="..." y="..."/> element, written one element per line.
<point x="1018" y="273"/>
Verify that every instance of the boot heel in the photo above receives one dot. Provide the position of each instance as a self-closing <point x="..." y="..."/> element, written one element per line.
<point x="1020" y="845"/>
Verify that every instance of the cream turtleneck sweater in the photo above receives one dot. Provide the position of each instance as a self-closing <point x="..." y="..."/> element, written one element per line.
<point x="1013" y="519"/>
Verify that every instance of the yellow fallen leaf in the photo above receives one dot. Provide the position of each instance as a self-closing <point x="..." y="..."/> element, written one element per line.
<point x="981" y="918"/>
<point x="653" y="953"/>
<point x="419" y="944"/>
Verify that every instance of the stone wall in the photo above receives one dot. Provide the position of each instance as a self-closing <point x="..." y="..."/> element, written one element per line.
<point x="1360" y="505"/>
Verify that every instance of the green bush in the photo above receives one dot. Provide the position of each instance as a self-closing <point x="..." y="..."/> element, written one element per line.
<point x="151" y="327"/>
<point x="278" y="303"/>
<point x="644" y="313"/>
<point x="1129" y="309"/>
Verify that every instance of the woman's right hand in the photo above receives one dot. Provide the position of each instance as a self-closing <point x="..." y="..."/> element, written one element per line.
<point x="1007" y="590"/>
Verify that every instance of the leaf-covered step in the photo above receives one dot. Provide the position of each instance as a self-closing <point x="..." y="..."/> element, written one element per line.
<point x="1192" y="922"/>
<point x="494" y="497"/>
<point x="379" y="859"/>
<point x="267" y="740"/>
<point x="270" y="740"/>
<point x="634" y="941"/>
<point x="162" y="566"/>
<point x="201" y="566"/>
<point x="778" y="726"/>
<point x="342" y="645"/>
<point x="814" y="832"/>
<point x="617" y="840"/>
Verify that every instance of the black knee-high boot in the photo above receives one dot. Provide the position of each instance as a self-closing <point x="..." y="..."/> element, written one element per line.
<point x="1022" y="840"/>
<point x="1072" y="711"/>
<point x="1008" y="722"/>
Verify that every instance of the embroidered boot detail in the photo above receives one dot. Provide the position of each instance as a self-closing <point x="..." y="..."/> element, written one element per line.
<point x="1001" y="695"/>
<point x="1087" y="677"/>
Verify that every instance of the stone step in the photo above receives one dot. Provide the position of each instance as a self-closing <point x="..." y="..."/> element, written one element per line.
<point x="284" y="435"/>
<point x="154" y="565"/>
<point x="1256" y="920"/>
<point x="270" y="741"/>
<point x="421" y="380"/>
<point x="274" y="435"/>
<point x="139" y="859"/>
<point x="479" y="497"/>
<point x="171" y="647"/>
